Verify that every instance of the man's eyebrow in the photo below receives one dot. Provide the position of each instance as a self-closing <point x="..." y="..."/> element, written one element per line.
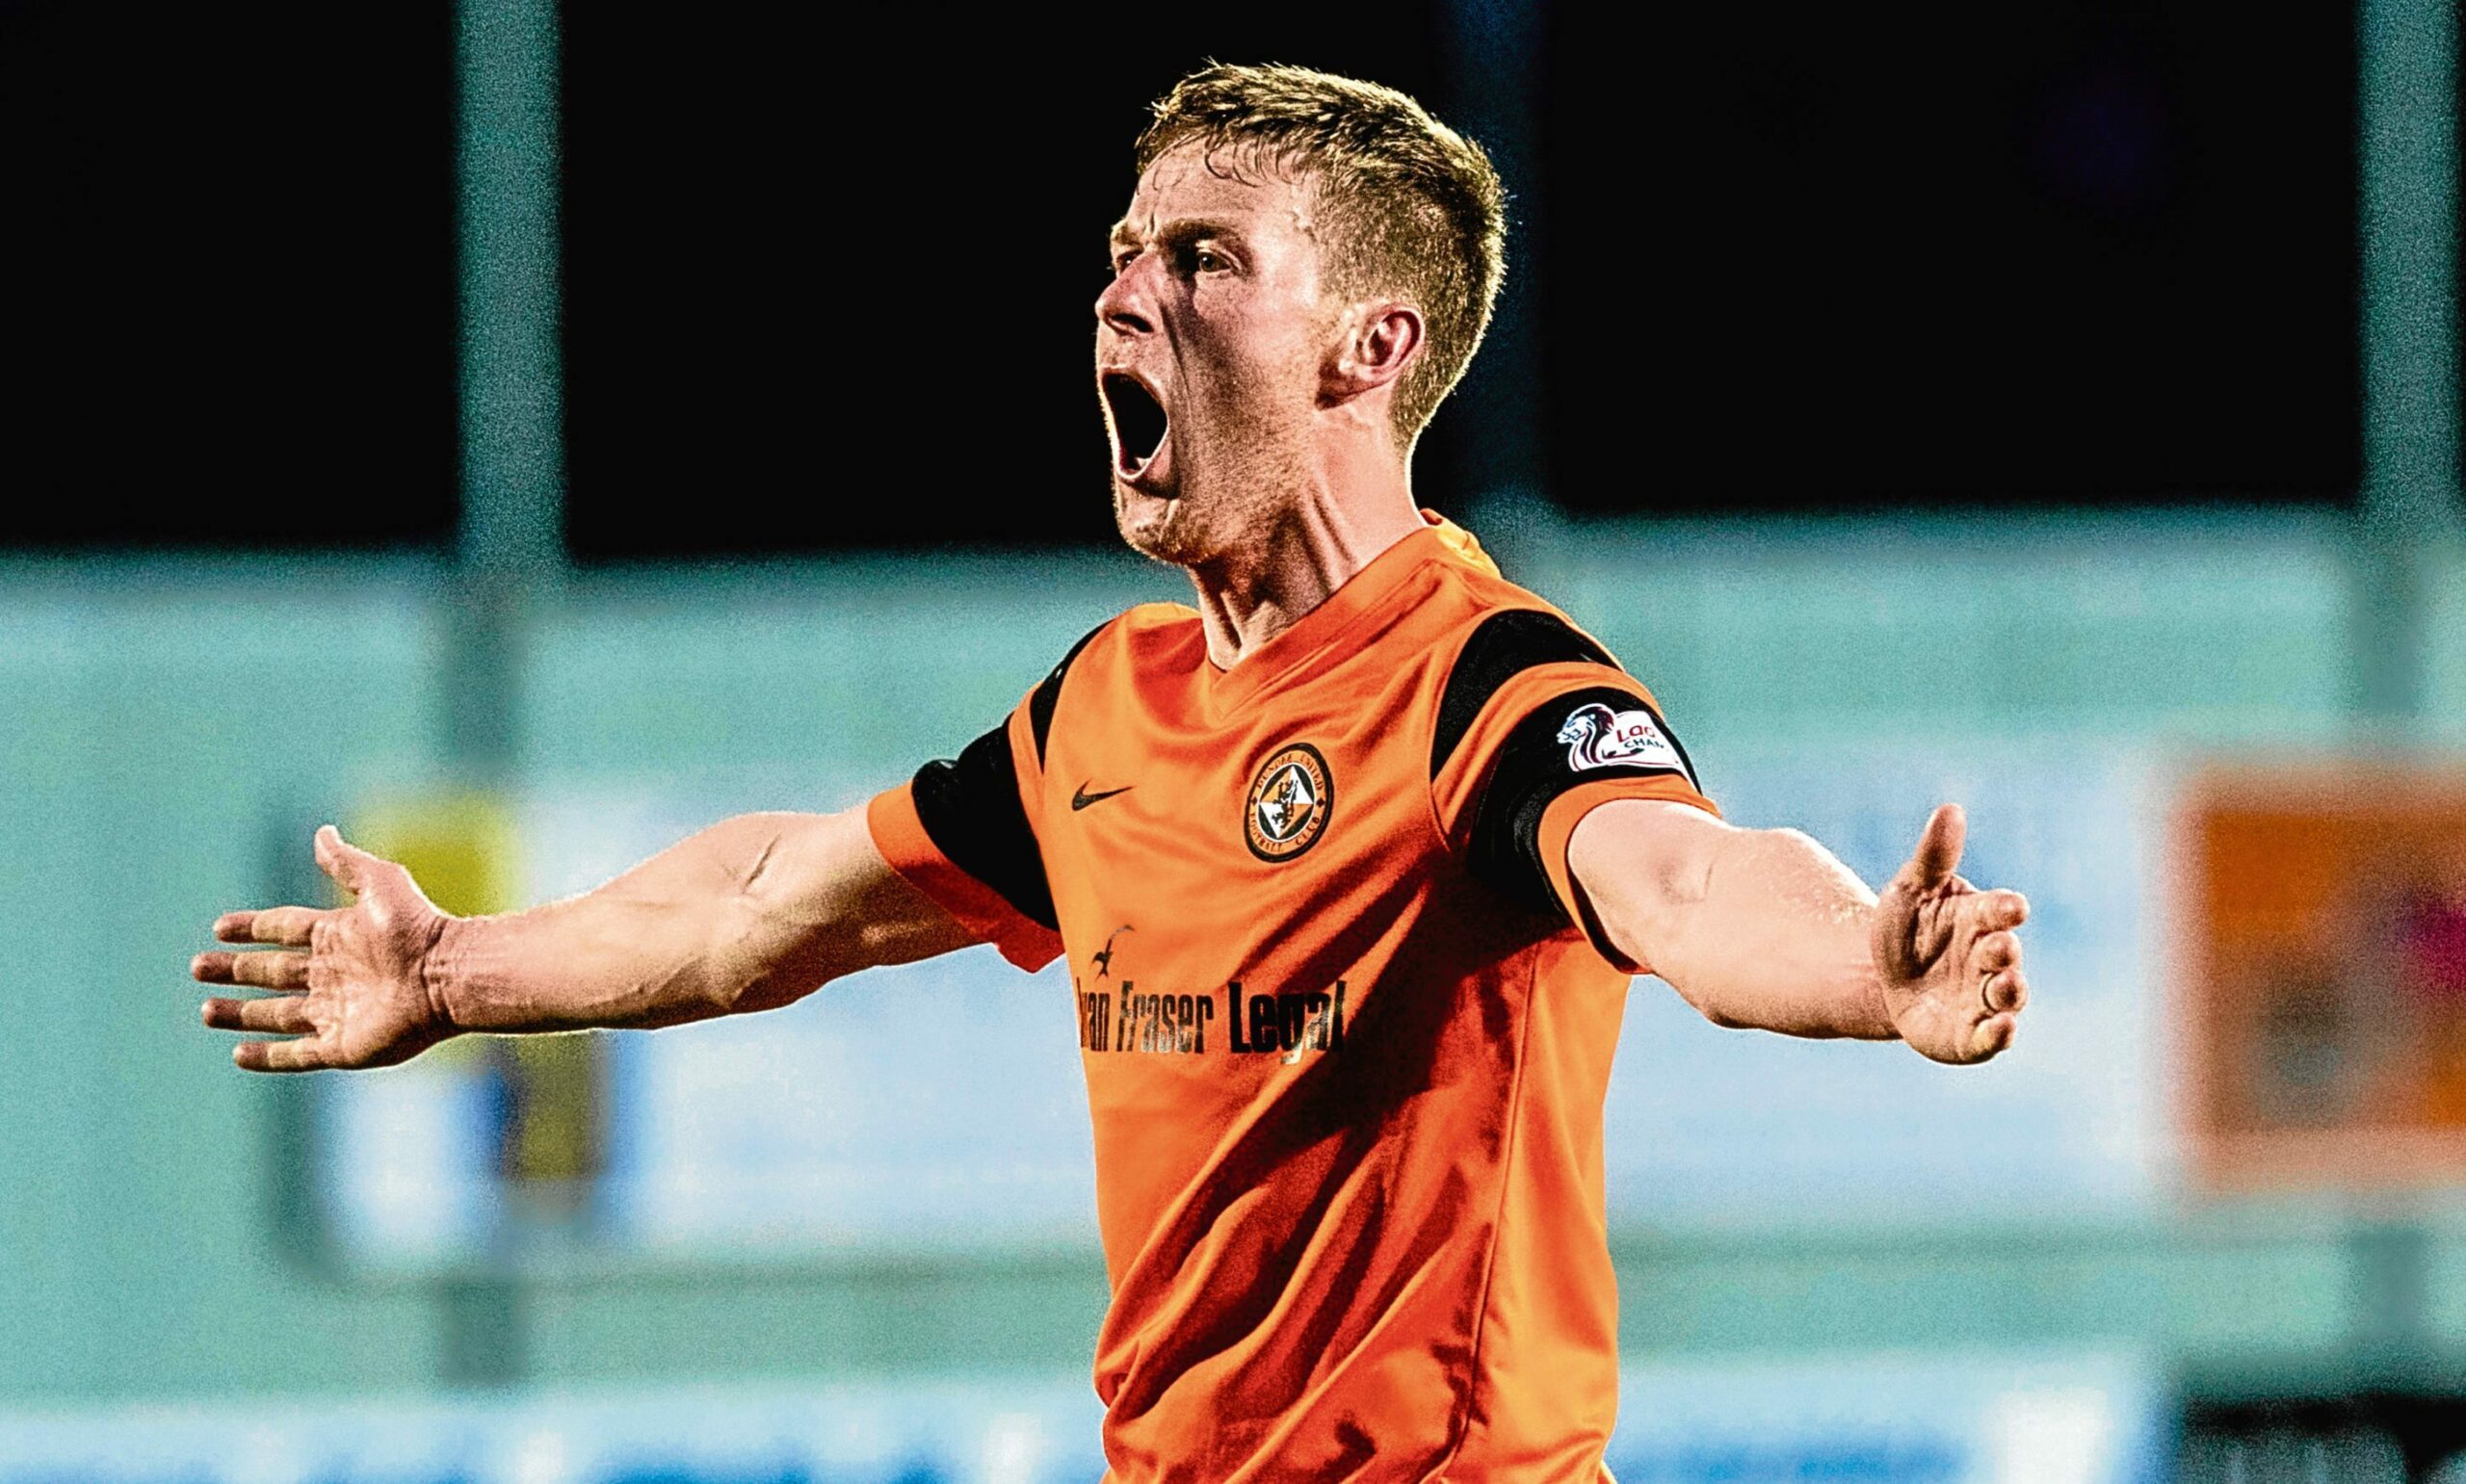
<point x="1181" y="229"/>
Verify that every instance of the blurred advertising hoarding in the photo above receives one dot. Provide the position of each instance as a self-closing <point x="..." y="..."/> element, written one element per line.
<point x="2323" y="976"/>
<point x="1879" y="1418"/>
<point x="940" y="1106"/>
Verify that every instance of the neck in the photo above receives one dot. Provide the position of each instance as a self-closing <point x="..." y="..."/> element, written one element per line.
<point x="1310" y="548"/>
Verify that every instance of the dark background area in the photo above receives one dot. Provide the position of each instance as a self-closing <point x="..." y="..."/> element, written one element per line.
<point x="825" y="289"/>
<point x="2079" y="254"/>
<point x="228" y="240"/>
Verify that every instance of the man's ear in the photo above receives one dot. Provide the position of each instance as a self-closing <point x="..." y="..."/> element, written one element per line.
<point x="1380" y="341"/>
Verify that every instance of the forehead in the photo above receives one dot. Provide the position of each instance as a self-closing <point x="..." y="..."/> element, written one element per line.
<point x="1233" y="186"/>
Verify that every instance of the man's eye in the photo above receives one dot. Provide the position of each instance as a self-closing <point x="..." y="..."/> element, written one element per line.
<point x="1207" y="261"/>
<point x="1122" y="262"/>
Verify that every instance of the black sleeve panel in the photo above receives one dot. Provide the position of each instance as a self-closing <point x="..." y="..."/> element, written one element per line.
<point x="1048" y="694"/>
<point x="1559" y="745"/>
<point x="970" y="809"/>
<point x="1504" y="646"/>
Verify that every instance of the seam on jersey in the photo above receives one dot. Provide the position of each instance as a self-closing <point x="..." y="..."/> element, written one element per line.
<point x="1498" y="1217"/>
<point x="1473" y="801"/>
<point x="1429" y="739"/>
<point x="1508" y="643"/>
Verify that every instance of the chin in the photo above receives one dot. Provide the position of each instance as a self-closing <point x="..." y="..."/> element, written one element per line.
<point x="1149" y="525"/>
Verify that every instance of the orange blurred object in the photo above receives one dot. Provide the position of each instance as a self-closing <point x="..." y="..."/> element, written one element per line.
<point x="2323" y="993"/>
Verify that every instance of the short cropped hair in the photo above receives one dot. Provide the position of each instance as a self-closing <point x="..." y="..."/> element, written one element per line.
<point x="1414" y="208"/>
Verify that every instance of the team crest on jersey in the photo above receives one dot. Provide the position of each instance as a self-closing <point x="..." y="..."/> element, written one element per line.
<point x="1597" y="737"/>
<point x="1288" y="803"/>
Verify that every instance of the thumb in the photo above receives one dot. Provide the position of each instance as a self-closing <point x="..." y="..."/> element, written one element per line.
<point x="1939" y="848"/>
<point x="347" y="864"/>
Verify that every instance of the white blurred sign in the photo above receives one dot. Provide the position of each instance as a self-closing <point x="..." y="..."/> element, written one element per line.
<point x="1986" y="1418"/>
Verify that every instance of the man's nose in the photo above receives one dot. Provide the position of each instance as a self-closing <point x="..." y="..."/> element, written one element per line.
<point x="1124" y="306"/>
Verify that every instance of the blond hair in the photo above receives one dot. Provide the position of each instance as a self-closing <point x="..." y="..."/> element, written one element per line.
<point x="1415" y="209"/>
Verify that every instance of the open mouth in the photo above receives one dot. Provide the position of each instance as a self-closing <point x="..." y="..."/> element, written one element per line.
<point x="1139" y="422"/>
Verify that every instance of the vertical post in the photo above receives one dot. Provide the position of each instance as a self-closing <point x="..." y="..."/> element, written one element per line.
<point x="2407" y="100"/>
<point x="510" y="551"/>
<point x="2407" y="157"/>
<point x="1493" y="50"/>
<point x="511" y="542"/>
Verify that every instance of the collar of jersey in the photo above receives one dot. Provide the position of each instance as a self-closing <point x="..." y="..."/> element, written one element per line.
<point x="1363" y="597"/>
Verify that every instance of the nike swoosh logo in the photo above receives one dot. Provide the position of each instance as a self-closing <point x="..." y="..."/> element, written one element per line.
<point x="1081" y="798"/>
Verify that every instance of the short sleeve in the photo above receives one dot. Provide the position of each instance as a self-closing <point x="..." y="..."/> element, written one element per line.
<point x="962" y="830"/>
<point x="1538" y="727"/>
<point x="959" y="839"/>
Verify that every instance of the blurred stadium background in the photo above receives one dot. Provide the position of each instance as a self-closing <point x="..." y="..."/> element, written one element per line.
<point x="526" y="434"/>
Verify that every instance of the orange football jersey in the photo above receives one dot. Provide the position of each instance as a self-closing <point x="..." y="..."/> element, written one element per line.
<point x="1346" y="1042"/>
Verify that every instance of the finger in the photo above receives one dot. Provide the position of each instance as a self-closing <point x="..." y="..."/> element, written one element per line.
<point x="283" y="1015"/>
<point x="300" y="1055"/>
<point x="257" y="970"/>
<point x="345" y="863"/>
<point x="214" y="968"/>
<point x="289" y="926"/>
<point x="1939" y="847"/>
<point x="1992" y="1035"/>
<point x="1996" y="951"/>
<point x="1998" y="909"/>
<point x="2006" y="992"/>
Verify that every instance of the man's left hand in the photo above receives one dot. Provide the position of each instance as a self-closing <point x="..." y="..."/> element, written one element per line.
<point x="1946" y="952"/>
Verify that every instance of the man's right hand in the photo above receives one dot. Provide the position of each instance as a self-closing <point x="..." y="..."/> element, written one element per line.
<point x="350" y="984"/>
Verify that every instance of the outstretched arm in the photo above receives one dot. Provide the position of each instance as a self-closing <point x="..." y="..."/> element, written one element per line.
<point x="1767" y="929"/>
<point x="750" y="914"/>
